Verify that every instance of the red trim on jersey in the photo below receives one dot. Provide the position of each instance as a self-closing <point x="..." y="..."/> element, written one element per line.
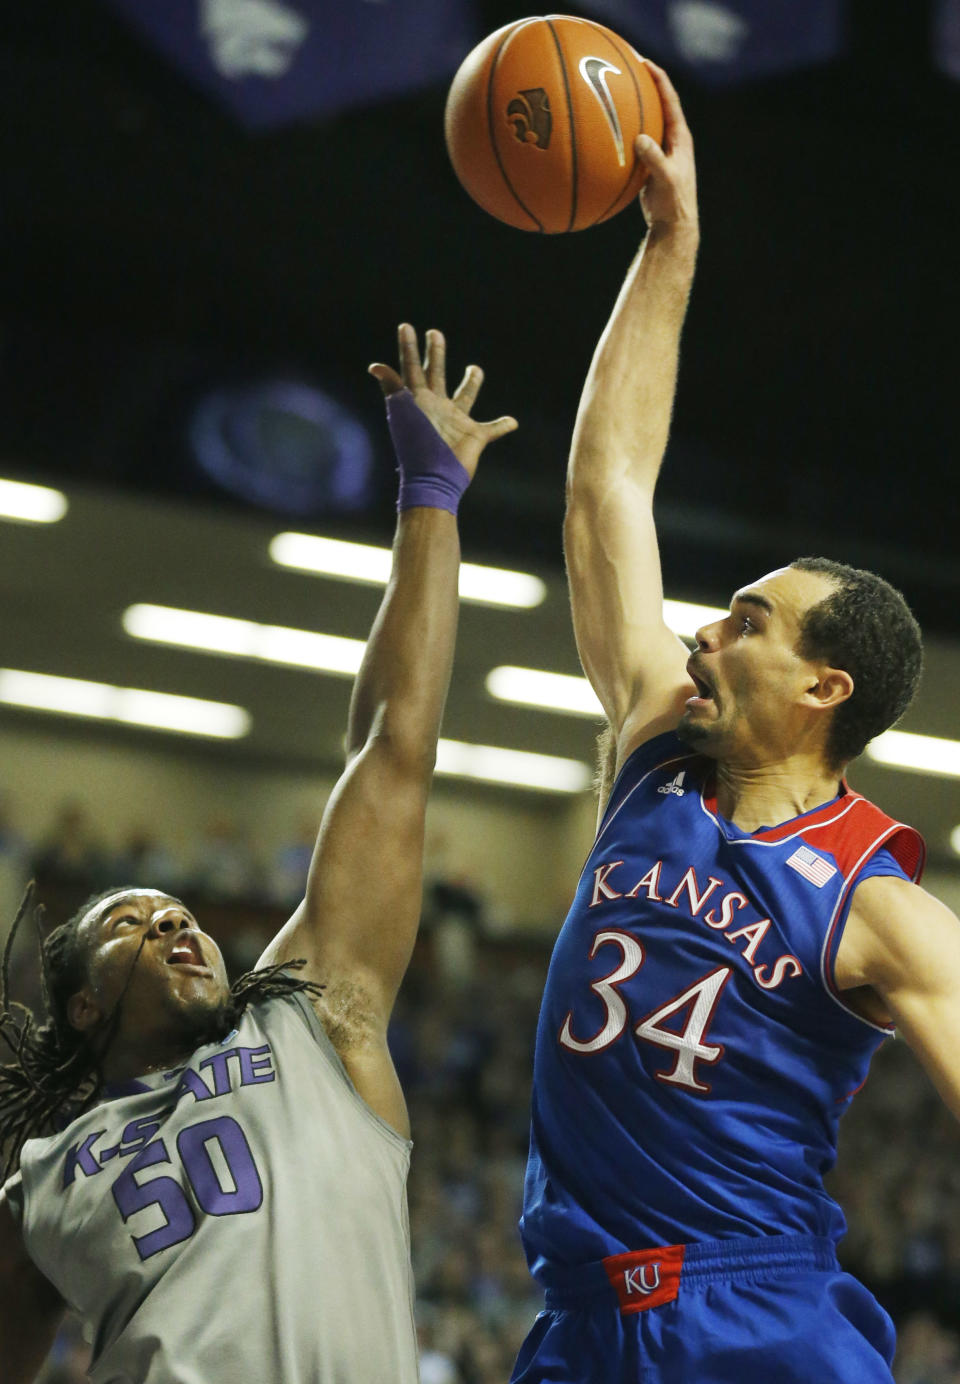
<point x="856" y="824"/>
<point x="822" y="816"/>
<point x="850" y="829"/>
<point x="849" y="1095"/>
<point x="645" y="1278"/>
<point x="908" y="849"/>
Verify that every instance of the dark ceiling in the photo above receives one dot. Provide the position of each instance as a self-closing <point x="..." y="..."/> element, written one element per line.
<point x="152" y="247"/>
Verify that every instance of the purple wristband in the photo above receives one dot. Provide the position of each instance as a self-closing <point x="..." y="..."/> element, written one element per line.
<point x="430" y="475"/>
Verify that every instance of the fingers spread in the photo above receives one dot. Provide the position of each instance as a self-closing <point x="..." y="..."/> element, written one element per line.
<point x="409" y="351"/>
<point x="435" y="363"/>
<point x="468" y="388"/>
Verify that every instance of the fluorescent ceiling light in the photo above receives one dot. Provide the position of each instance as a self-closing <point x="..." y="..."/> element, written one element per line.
<point x="131" y="705"/>
<point x="685" y="618"/>
<point x="563" y="692"/>
<point x="221" y="634"/>
<point x="363" y="562"/>
<point x="551" y="691"/>
<point x="929" y="754"/>
<point x="33" y="504"/>
<point x="493" y="764"/>
<point x="498" y="586"/>
<point x="332" y="557"/>
<point x="955" y="840"/>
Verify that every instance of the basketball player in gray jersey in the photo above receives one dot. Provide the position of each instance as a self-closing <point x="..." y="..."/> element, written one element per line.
<point x="214" y="1177"/>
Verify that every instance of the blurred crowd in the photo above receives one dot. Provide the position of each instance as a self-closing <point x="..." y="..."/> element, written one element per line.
<point x="222" y="865"/>
<point x="462" y="1039"/>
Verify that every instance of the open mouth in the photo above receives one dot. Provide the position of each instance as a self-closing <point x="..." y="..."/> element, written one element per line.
<point x="704" y="692"/>
<point x="186" y="952"/>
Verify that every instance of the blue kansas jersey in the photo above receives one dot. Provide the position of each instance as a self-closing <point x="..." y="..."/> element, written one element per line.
<point x="693" y="1052"/>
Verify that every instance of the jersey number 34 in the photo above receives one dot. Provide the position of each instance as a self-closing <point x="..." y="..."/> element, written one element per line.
<point x="700" y="999"/>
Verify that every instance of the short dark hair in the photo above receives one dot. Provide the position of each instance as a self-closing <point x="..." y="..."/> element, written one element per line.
<point x="866" y="628"/>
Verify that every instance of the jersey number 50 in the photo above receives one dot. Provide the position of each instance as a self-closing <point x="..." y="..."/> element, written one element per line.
<point x="219" y="1168"/>
<point x="701" y="999"/>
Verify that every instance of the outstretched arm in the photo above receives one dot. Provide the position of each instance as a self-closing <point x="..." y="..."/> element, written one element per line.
<point x="30" y="1308"/>
<point x="357" y="924"/>
<point x="904" y="945"/>
<point x="636" y="665"/>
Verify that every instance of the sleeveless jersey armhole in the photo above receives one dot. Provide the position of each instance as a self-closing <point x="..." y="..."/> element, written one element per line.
<point x="882" y="862"/>
<point x="309" y="1016"/>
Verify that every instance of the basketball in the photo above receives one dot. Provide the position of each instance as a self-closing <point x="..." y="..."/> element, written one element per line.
<point x="541" y="119"/>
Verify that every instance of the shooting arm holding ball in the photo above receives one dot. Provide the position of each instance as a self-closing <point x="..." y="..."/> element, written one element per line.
<point x="635" y="663"/>
<point x="899" y="956"/>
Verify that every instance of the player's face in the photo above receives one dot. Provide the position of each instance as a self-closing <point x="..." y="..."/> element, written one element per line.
<point x="754" y="690"/>
<point x="147" y="947"/>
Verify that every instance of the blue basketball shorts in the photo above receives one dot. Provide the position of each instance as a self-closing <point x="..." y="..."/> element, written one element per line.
<point x="775" y="1310"/>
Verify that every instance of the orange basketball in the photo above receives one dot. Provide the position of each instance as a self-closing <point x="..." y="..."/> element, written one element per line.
<point x="541" y="119"/>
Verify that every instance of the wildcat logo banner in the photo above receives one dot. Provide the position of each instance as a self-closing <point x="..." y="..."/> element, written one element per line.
<point x="276" y="62"/>
<point x="726" y="41"/>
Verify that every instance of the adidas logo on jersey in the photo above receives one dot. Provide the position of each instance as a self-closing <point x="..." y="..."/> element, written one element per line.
<point x="675" y="785"/>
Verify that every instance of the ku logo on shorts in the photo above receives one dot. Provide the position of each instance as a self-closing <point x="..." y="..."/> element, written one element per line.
<point x="645" y="1278"/>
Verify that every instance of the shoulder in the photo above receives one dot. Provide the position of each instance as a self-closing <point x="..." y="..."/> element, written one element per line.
<point x="859" y="829"/>
<point x="11" y="1212"/>
<point x="891" y="905"/>
<point x="290" y="1014"/>
<point x="896" y="929"/>
<point x="665" y="752"/>
<point x="878" y="896"/>
<point x="17" y="1269"/>
<point x="659" y="752"/>
<point x="345" y="1029"/>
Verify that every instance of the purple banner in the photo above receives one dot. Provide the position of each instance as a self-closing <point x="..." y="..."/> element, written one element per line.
<point x="727" y="41"/>
<point x="273" y="62"/>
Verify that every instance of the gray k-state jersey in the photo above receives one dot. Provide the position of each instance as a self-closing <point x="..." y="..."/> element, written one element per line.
<point x="242" y="1219"/>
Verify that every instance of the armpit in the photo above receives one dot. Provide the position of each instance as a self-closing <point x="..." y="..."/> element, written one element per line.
<point x="348" y="1014"/>
<point x="865" y="1001"/>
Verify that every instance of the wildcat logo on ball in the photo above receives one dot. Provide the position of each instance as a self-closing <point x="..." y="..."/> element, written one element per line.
<point x="529" y="114"/>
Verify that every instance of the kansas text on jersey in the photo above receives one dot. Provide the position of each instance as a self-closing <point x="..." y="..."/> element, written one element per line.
<point x="693" y="1052"/>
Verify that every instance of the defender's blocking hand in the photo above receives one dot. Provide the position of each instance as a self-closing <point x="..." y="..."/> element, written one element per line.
<point x="427" y="382"/>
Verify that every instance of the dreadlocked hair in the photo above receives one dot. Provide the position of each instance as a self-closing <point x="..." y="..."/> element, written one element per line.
<point x="56" y="1070"/>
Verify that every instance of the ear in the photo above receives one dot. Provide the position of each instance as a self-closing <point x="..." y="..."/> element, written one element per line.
<point x="83" y="1012"/>
<point x="833" y="686"/>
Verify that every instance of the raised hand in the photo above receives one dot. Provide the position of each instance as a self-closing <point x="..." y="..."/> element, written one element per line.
<point x="427" y="382"/>
<point x="668" y="198"/>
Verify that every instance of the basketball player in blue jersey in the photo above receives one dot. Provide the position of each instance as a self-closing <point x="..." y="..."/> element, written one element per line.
<point x="214" y="1177"/>
<point x="746" y="930"/>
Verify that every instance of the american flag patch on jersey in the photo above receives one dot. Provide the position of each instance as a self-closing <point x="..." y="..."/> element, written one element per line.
<point x="812" y="866"/>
